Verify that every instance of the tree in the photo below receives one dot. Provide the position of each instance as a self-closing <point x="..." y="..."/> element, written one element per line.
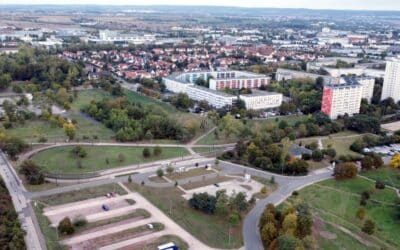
<point x="230" y="126"/>
<point x="395" y="161"/>
<point x="146" y="153"/>
<point x="5" y="81"/>
<point x="234" y="219"/>
<point x="160" y="172"/>
<point x="369" y="227"/>
<point x="239" y="202"/>
<point x="304" y="221"/>
<point x="317" y="155"/>
<point x="289" y="224"/>
<point x="69" y="130"/>
<point x="204" y="202"/>
<point x="79" y="151"/>
<point x="345" y="170"/>
<point x="287" y="242"/>
<point x="361" y="212"/>
<point x="121" y="157"/>
<point x="367" y="162"/>
<point x="269" y="232"/>
<point x="157" y="151"/>
<point x="32" y="172"/>
<point x="65" y="226"/>
<point x="129" y="178"/>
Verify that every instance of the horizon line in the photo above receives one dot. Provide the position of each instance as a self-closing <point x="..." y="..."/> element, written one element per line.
<point x="194" y="5"/>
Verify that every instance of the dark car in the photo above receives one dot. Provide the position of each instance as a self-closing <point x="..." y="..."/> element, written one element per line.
<point x="105" y="207"/>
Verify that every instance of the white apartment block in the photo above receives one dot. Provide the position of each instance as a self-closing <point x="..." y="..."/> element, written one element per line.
<point x="262" y="100"/>
<point x="367" y="84"/>
<point x="391" y="83"/>
<point x="340" y="99"/>
<point x="215" y="98"/>
<point x="185" y="83"/>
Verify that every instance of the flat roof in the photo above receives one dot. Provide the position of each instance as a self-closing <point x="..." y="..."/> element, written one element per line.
<point x="260" y="93"/>
<point x="221" y="93"/>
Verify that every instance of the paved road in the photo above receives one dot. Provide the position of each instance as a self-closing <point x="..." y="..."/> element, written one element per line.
<point x="286" y="185"/>
<point x="34" y="239"/>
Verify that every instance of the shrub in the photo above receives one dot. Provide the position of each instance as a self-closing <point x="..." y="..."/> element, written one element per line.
<point x="306" y="157"/>
<point x="295" y="193"/>
<point x="264" y="190"/>
<point x="65" y="226"/>
<point x="79" y="152"/>
<point x="363" y="202"/>
<point x="170" y="169"/>
<point x="129" y="178"/>
<point x="160" y="172"/>
<point x="361" y="212"/>
<point x="365" y="195"/>
<point x="121" y="157"/>
<point x="379" y="185"/>
<point x="369" y="227"/>
<point x="80" y="221"/>
<point x="157" y="151"/>
<point x="146" y="153"/>
<point x="42" y="139"/>
<point x="317" y="155"/>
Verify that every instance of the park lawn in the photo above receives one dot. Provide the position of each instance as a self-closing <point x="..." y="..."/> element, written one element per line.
<point x="290" y="119"/>
<point x="210" y="229"/>
<point x="86" y="96"/>
<point x="61" y="160"/>
<point x="342" y="240"/>
<point x="338" y="202"/>
<point x="33" y="130"/>
<point x="387" y="175"/>
<point x="211" y="139"/>
<point x="342" y="144"/>
<point x="190" y="173"/>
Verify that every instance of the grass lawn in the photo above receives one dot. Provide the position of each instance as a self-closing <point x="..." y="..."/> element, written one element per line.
<point x="387" y="175"/>
<point x="82" y="194"/>
<point x="190" y="173"/>
<point x="86" y="96"/>
<point x="342" y="241"/>
<point x="206" y="182"/>
<point x="338" y="202"/>
<point x="210" y="229"/>
<point x="211" y="139"/>
<point x="61" y="160"/>
<point x="33" y="130"/>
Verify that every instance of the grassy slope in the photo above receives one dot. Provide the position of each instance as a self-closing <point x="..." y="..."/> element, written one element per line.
<point x="61" y="159"/>
<point x="387" y="175"/>
<point x="338" y="202"/>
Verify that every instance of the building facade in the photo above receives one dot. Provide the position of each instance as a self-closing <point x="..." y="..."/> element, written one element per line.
<point x="214" y="98"/>
<point x="340" y="99"/>
<point x="391" y="83"/>
<point x="262" y="100"/>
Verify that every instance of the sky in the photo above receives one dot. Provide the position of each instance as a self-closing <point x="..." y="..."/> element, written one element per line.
<point x="311" y="4"/>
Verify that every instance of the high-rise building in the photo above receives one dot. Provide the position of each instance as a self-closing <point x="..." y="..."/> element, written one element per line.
<point x="391" y="84"/>
<point x="340" y="99"/>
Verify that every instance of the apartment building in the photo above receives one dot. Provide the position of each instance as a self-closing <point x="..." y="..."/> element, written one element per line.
<point x="391" y="83"/>
<point x="215" y="98"/>
<point x="340" y="99"/>
<point x="262" y="100"/>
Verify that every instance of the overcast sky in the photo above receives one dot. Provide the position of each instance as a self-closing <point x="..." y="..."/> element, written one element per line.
<point x="312" y="4"/>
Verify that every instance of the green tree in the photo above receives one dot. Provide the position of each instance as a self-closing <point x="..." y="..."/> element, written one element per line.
<point x="160" y="172"/>
<point x="361" y="212"/>
<point x="289" y="224"/>
<point x="5" y="81"/>
<point x="69" y="130"/>
<point x="269" y="232"/>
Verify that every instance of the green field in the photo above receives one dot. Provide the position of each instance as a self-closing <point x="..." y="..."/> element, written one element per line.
<point x="86" y="96"/>
<point x="387" y="175"/>
<point x="210" y="229"/>
<point x="61" y="160"/>
<point x="338" y="201"/>
<point x="33" y="130"/>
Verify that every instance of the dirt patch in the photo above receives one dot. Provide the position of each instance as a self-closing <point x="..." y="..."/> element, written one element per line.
<point x="111" y="238"/>
<point x="327" y="235"/>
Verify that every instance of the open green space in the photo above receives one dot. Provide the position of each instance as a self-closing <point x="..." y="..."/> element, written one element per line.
<point x="387" y="175"/>
<point x="32" y="131"/>
<point x="190" y="173"/>
<point x="182" y="245"/>
<point x="210" y="229"/>
<point x="211" y="139"/>
<point x="62" y="160"/>
<point x="338" y="201"/>
<point x="81" y="194"/>
<point x="86" y="96"/>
